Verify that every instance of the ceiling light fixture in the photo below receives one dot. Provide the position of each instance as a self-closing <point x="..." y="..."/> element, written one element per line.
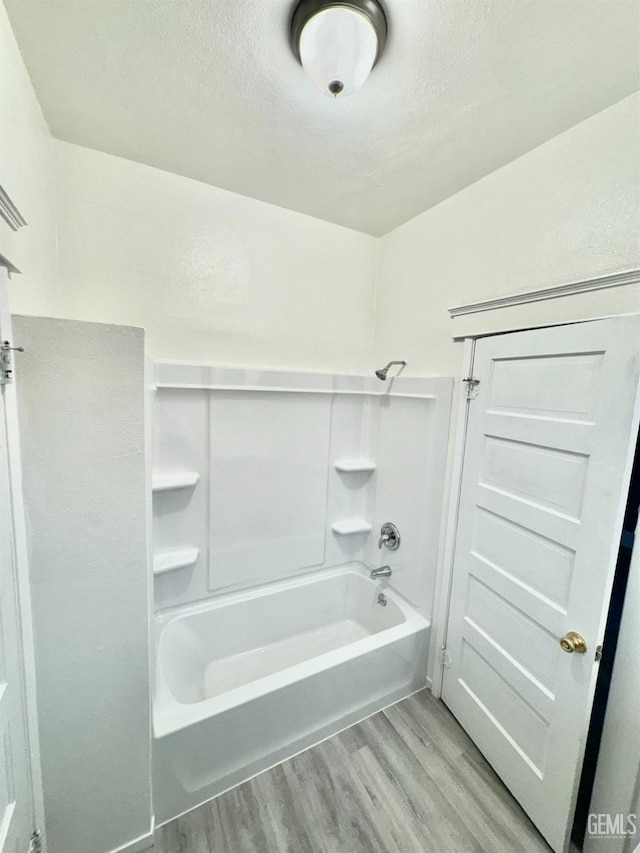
<point x="338" y="42"/>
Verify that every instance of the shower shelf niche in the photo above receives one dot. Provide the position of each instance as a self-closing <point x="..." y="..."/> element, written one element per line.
<point x="176" y="558"/>
<point x="350" y="528"/>
<point x="354" y="466"/>
<point x="168" y="481"/>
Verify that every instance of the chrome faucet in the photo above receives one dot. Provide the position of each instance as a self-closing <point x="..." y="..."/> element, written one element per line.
<point x="389" y="537"/>
<point x="382" y="572"/>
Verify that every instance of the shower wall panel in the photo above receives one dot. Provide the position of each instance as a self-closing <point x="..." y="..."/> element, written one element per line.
<point x="268" y="463"/>
<point x="263" y="475"/>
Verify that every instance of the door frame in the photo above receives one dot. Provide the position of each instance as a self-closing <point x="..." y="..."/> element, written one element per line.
<point x="23" y="586"/>
<point x="444" y="580"/>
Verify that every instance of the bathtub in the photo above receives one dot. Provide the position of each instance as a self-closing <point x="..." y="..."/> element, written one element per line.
<point x="246" y="680"/>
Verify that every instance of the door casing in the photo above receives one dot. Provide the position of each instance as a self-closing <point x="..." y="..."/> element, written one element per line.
<point x="25" y="614"/>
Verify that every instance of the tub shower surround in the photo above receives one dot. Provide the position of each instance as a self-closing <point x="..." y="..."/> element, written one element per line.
<point x="269" y="493"/>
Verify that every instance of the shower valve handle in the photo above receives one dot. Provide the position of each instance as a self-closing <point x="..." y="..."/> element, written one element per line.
<point x="389" y="537"/>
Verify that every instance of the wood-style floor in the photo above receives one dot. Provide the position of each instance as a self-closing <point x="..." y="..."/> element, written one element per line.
<point x="407" y="780"/>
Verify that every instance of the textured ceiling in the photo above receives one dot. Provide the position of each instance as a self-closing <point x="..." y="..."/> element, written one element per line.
<point x="211" y="90"/>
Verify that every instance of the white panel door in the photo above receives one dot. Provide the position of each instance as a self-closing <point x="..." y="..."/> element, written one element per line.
<point x="546" y="469"/>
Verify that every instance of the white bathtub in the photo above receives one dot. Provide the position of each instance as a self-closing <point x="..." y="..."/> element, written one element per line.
<point x="246" y="680"/>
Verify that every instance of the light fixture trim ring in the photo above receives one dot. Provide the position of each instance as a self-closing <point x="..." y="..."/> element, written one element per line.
<point x="308" y="9"/>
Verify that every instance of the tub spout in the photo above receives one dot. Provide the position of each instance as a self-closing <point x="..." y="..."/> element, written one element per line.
<point x="382" y="572"/>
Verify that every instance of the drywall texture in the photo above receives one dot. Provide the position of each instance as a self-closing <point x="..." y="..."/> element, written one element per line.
<point x="212" y="276"/>
<point x="569" y="210"/>
<point x="26" y="174"/>
<point x="81" y="399"/>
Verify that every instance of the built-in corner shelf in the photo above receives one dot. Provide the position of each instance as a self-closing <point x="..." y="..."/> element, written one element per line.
<point x="354" y="466"/>
<point x="350" y="528"/>
<point x="167" y="481"/>
<point x="177" y="558"/>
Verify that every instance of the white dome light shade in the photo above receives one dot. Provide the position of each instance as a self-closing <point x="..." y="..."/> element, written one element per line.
<point x="338" y="47"/>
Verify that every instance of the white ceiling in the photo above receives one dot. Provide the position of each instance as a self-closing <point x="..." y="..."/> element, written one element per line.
<point x="211" y="90"/>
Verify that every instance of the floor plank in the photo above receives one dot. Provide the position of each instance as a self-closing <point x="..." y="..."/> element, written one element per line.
<point x="407" y="780"/>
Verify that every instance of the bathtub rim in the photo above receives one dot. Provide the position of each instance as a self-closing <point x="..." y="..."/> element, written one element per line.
<point x="171" y="716"/>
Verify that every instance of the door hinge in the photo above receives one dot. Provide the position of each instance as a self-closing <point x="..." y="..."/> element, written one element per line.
<point x="6" y="362"/>
<point x="445" y="658"/>
<point x="36" y="842"/>
<point x="472" y="387"/>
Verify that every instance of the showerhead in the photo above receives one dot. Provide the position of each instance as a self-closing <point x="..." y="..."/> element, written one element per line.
<point x="382" y="374"/>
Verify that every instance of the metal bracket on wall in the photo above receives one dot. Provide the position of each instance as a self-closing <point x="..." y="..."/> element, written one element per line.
<point x="472" y="387"/>
<point x="6" y="361"/>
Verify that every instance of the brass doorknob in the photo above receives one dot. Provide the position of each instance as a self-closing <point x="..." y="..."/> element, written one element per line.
<point x="572" y="642"/>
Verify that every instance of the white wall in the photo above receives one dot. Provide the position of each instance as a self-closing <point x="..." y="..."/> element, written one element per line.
<point x="212" y="276"/>
<point x="81" y="407"/>
<point x="566" y="211"/>
<point x="26" y="174"/>
<point x="220" y="278"/>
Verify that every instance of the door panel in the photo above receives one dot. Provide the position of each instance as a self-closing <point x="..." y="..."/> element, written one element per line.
<point x="546" y="467"/>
